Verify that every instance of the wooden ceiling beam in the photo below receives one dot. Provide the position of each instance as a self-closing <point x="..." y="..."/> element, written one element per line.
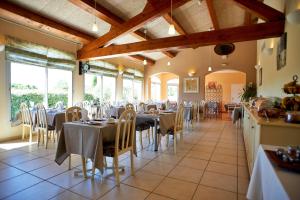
<point x="212" y="13"/>
<point x="172" y="20"/>
<point x="260" y="10"/>
<point x="21" y="15"/>
<point x="151" y="11"/>
<point x="109" y="17"/>
<point x="142" y="58"/>
<point x="230" y="35"/>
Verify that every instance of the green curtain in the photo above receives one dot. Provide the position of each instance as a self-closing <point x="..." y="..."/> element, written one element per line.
<point x="21" y="51"/>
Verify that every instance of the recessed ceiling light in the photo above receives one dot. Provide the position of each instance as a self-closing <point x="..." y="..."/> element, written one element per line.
<point x="145" y="62"/>
<point x="168" y="63"/>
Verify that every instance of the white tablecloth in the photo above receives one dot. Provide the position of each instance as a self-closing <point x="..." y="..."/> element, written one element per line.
<point x="269" y="182"/>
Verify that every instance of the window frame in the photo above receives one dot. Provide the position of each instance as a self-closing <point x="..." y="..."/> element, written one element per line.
<point x="45" y="102"/>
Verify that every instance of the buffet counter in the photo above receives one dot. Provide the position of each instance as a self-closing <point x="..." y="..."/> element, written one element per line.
<point x="258" y="130"/>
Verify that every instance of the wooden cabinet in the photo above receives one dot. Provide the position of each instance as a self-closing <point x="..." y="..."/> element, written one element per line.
<point x="258" y="131"/>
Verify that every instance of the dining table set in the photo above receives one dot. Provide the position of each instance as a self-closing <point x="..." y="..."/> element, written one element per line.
<point x="88" y="137"/>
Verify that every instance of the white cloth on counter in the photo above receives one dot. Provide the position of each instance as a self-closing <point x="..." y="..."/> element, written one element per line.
<point x="269" y="182"/>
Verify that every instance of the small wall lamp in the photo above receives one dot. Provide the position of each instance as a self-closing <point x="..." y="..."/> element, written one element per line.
<point x="294" y="17"/>
<point x="191" y="74"/>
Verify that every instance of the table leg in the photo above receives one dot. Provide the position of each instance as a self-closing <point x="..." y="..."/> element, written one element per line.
<point x="155" y="136"/>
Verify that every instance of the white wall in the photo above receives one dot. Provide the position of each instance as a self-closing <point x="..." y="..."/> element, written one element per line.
<point x="272" y="79"/>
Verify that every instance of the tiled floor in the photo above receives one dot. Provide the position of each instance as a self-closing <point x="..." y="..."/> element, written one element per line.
<point x="210" y="164"/>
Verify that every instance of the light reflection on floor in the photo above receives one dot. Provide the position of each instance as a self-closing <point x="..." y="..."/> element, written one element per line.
<point x="15" y="145"/>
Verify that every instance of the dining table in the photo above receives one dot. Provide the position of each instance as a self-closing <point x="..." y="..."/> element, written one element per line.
<point x="85" y="138"/>
<point x="55" y="118"/>
<point x="269" y="181"/>
<point x="165" y="120"/>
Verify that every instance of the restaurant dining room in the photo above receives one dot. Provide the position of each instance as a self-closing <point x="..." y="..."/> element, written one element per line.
<point x="149" y="99"/>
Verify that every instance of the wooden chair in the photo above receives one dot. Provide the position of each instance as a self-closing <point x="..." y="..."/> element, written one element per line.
<point x="178" y="126"/>
<point x="26" y="121"/>
<point x="124" y="142"/>
<point x="74" y="114"/>
<point x="129" y="106"/>
<point x="42" y="124"/>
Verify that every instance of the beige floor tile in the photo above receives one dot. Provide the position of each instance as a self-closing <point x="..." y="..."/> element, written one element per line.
<point x="43" y="190"/>
<point x="108" y="173"/>
<point x="125" y="192"/>
<point x="221" y="181"/>
<point x="169" y="159"/>
<point x="224" y="159"/>
<point x="19" y="159"/>
<point x="208" y="149"/>
<point x="242" y="161"/>
<point x="49" y="170"/>
<point x="144" y="180"/>
<point x="243" y="172"/>
<point x="67" y="195"/>
<point x="11" y="153"/>
<point x="17" y="184"/>
<point x="227" y="146"/>
<point x="194" y="163"/>
<point x="186" y="174"/>
<point x="93" y="189"/>
<point x="42" y="152"/>
<point x="224" y="151"/>
<point x="2" y="165"/>
<point x="157" y="197"/>
<point x="176" y="189"/>
<point x="9" y="172"/>
<point x="208" y="193"/>
<point x="158" y="168"/>
<point x="222" y="168"/>
<point x="200" y="155"/>
<point x="242" y="185"/>
<point x="33" y="164"/>
<point x="242" y="197"/>
<point x="148" y="154"/>
<point x="138" y="162"/>
<point x="67" y="179"/>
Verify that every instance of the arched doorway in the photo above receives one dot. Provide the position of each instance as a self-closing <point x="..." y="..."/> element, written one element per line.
<point x="224" y="86"/>
<point x="164" y="86"/>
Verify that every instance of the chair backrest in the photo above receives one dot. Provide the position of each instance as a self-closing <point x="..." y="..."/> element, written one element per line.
<point x="73" y="114"/>
<point x="59" y="105"/>
<point x="124" y="139"/>
<point x="129" y="106"/>
<point x="195" y="110"/>
<point x="79" y="104"/>
<point x="25" y="114"/>
<point x="42" y="121"/>
<point x="179" y="118"/>
<point x="86" y="105"/>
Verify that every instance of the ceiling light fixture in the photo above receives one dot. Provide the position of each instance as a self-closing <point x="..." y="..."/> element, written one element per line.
<point x="95" y="26"/>
<point x="169" y="63"/>
<point x="294" y="17"/>
<point x="209" y="67"/>
<point x="199" y="2"/>
<point x="171" y="30"/>
<point x="145" y="61"/>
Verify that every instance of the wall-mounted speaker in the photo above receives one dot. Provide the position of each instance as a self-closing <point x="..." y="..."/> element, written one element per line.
<point x="83" y="67"/>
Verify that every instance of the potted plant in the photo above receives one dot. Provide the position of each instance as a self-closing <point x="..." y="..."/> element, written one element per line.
<point x="248" y="92"/>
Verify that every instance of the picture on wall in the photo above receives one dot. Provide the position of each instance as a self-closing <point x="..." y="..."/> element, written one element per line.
<point x="281" y="51"/>
<point x="191" y="85"/>
<point x="260" y="77"/>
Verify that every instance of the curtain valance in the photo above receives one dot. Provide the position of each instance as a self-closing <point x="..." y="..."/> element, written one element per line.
<point x="21" y="51"/>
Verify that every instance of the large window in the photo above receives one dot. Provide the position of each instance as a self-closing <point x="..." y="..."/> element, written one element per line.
<point x="128" y="89"/>
<point x="155" y="88"/>
<point x="99" y="87"/>
<point x="59" y="87"/>
<point x="137" y="90"/>
<point x="172" y="89"/>
<point x="30" y="83"/>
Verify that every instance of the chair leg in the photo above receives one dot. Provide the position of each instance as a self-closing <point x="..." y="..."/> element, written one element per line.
<point x="70" y="162"/>
<point x="104" y="161"/>
<point x="167" y="140"/>
<point x="141" y="139"/>
<point x="131" y="162"/>
<point x="148" y="134"/>
<point x="83" y="167"/>
<point x="152" y="134"/>
<point x="30" y="134"/>
<point x="47" y="138"/>
<point x="175" y="140"/>
<point x="116" y="170"/>
<point x="38" y="137"/>
<point x="23" y="132"/>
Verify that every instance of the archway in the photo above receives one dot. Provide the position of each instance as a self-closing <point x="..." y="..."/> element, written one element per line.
<point x="163" y="86"/>
<point x="224" y="86"/>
